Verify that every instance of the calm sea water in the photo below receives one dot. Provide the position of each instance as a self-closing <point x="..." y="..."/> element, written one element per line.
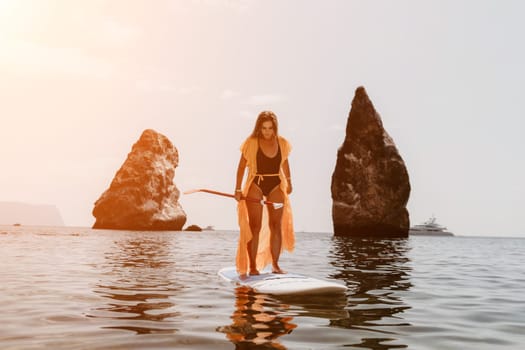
<point x="77" y="288"/>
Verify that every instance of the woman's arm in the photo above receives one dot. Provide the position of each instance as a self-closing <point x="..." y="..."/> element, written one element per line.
<point x="240" y="174"/>
<point x="286" y="169"/>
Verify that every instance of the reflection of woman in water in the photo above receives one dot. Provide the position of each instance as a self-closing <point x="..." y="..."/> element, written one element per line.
<point x="264" y="230"/>
<point x="255" y="325"/>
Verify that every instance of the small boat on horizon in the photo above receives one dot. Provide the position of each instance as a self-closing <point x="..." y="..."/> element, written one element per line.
<point x="429" y="228"/>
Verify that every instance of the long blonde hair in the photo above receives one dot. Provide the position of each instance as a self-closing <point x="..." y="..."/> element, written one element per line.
<point x="265" y="116"/>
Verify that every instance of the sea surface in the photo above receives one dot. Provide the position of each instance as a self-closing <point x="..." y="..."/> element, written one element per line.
<point x="78" y="288"/>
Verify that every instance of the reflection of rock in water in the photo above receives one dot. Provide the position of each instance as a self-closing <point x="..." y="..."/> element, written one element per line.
<point x="139" y="286"/>
<point x="369" y="264"/>
<point x="375" y="270"/>
<point x="257" y="321"/>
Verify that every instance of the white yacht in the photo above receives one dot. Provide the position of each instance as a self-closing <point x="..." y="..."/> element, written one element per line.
<point x="429" y="228"/>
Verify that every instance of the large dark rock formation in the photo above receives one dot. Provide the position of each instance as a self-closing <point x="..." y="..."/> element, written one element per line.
<point x="142" y="196"/>
<point x="370" y="185"/>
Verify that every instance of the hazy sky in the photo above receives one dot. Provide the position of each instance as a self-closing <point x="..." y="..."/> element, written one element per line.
<point x="81" y="80"/>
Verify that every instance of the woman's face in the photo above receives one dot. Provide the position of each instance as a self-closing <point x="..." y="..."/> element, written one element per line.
<point x="267" y="131"/>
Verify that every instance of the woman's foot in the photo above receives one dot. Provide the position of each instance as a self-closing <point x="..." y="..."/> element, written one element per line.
<point x="254" y="272"/>
<point x="278" y="270"/>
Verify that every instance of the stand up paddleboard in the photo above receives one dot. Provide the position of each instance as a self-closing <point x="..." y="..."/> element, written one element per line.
<point x="283" y="284"/>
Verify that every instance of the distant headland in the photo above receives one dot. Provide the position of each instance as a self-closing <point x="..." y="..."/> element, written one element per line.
<point x="12" y="213"/>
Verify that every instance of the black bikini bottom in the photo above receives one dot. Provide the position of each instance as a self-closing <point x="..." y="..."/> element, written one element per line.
<point x="268" y="183"/>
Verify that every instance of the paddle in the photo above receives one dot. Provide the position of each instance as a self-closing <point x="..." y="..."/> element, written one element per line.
<point x="255" y="200"/>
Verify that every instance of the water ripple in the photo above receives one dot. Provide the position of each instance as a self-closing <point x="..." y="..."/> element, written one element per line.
<point x="77" y="288"/>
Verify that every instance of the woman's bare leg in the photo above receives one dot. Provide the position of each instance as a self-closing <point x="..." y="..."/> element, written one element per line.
<point x="255" y="219"/>
<point x="275" y="218"/>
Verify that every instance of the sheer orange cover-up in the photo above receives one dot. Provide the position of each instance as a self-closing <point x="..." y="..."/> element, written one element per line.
<point x="264" y="257"/>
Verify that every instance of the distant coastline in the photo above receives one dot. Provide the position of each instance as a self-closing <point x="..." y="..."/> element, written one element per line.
<point x="431" y="234"/>
<point x="27" y="214"/>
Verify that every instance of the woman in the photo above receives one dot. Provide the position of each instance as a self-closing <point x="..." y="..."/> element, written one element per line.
<point x="264" y="230"/>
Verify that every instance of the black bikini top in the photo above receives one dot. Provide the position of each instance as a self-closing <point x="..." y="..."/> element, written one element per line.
<point x="267" y="165"/>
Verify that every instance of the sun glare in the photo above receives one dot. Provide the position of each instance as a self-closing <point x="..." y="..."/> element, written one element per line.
<point x="7" y="6"/>
<point x="15" y="14"/>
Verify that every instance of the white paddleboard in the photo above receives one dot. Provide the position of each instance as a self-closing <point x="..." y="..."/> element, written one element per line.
<point x="283" y="284"/>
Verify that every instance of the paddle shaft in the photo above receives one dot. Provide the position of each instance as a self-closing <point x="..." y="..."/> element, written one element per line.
<point x="249" y="199"/>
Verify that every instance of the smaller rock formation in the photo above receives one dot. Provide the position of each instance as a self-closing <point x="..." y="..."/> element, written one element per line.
<point x="370" y="184"/>
<point x="194" y="228"/>
<point x="142" y="196"/>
